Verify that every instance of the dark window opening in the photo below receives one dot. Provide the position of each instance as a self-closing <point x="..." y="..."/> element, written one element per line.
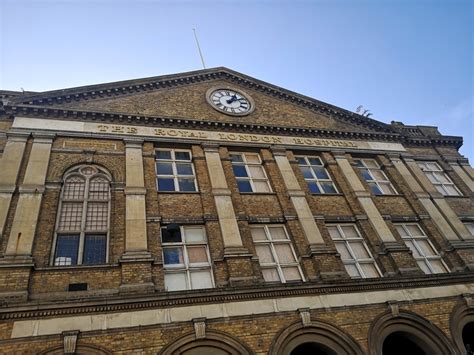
<point x="468" y="337"/>
<point x="313" y="349"/>
<point x="400" y="343"/>
<point x="78" y="287"/>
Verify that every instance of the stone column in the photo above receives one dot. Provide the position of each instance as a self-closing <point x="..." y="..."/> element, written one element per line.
<point x="441" y="204"/>
<point x="20" y="241"/>
<point x="222" y="198"/>
<point x="136" y="261"/>
<point x="10" y="167"/>
<point x="463" y="171"/>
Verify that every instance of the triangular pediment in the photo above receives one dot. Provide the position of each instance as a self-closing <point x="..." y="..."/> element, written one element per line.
<point x="184" y="96"/>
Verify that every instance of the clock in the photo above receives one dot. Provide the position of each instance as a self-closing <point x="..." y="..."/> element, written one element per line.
<point x="230" y="101"/>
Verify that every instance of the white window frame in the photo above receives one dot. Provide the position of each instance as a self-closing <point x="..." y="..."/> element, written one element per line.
<point x="422" y="258"/>
<point x="85" y="200"/>
<point x="369" y="169"/>
<point x="175" y="176"/>
<point x="440" y="186"/>
<point x="249" y="177"/>
<point x="470" y="227"/>
<point x="186" y="267"/>
<point x="315" y="179"/>
<point x="271" y="242"/>
<point x="354" y="260"/>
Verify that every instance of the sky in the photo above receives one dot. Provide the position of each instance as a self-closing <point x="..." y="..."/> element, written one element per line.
<point x="404" y="60"/>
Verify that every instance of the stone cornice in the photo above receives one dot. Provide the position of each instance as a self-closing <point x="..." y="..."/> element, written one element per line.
<point x="117" y="89"/>
<point x="161" y="300"/>
<point x="165" y="121"/>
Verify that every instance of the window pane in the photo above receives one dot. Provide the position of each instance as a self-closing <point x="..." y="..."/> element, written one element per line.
<point x="173" y="256"/>
<point x="301" y="160"/>
<point x="164" y="168"/>
<point x="186" y="184"/>
<point x="328" y="188"/>
<point x="193" y="235"/>
<point x="342" y="249"/>
<point x="369" y="270"/>
<point x="236" y="158"/>
<point x="171" y="236"/>
<point x="163" y="154"/>
<point x="375" y="189"/>
<point x="365" y="174"/>
<point x="71" y="216"/>
<point x="387" y="188"/>
<point x="67" y="247"/>
<point x="315" y="161"/>
<point x="378" y="175"/>
<point x="426" y="247"/>
<point x="451" y="190"/>
<point x="182" y="156"/>
<point x="409" y="244"/>
<point x="74" y="188"/>
<point x="244" y="186"/>
<point x="437" y="266"/>
<point x="358" y="163"/>
<point x="313" y="187"/>
<point x="350" y="232"/>
<point x="97" y="216"/>
<point x="239" y="170"/>
<point x="359" y="250"/>
<point x="270" y="275"/>
<point x="95" y="247"/>
<point x="197" y="255"/>
<point x="257" y="172"/>
<point x="441" y="177"/>
<point x="306" y="170"/>
<point x="334" y="232"/>
<point x="261" y="186"/>
<point x="401" y="231"/>
<point x="352" y="271"/>
<point x="258" y="233"/>
<point x="284" y="253"/>
<point x="321" y="173"/>
<point x="371" y="163"/>
<point x="201" y="279"/>
<point x="291" y="273"/>
<point x="423" y="266"/>
<point x="264" y="253"/>
<point x="278" y="233"/>
<point x="99" y="189"/>
<point x="165" y="184"/>
<point x="252" y="158"/>
<point x="184" y="169"/>
<point x="414" y="230"/>
<point x="175" y="281"/>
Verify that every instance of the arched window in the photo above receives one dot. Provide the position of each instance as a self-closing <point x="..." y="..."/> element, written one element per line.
<point x="82" y="224"/>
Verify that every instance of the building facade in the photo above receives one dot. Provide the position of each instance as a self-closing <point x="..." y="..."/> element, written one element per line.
<point x="212" y="213"/>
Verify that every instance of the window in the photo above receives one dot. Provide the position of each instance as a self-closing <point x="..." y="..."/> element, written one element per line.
<point x="355" y="254"/>
<point x="375" y="177"/>
<point x="470" y="227"/>
<point x="276" y="254"/>
<point x="175" y="170"/>
<point x="423" y="251"/>
<point x="186" y="258"/>
<point x="249" y="172"/>
<point x="439" y="179"/>
<point x="316" y="176"/>
<point x="83" y="220"/>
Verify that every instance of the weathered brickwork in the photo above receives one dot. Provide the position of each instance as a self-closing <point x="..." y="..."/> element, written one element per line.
<point x="126" y="305"/>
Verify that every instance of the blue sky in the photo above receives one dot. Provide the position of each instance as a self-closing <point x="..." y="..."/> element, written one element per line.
<point x="405" y="60"/>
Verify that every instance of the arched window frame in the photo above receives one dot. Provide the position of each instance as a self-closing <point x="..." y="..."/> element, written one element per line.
<point x="77" y="171"/>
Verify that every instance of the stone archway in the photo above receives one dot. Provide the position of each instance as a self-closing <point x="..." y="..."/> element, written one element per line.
<point x="407" y="333"/>
<point x="462" y="327"/>
<point x="319" y="338"/>
<point x="214" y="343"/>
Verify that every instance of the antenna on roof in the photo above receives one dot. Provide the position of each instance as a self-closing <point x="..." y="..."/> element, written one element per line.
<point x="199" y="49"/>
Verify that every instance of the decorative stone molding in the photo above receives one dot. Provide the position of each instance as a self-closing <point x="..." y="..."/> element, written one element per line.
<point x="200" y="327"/>
<point x="305" y="316"/>
<point x="70" y="341"/>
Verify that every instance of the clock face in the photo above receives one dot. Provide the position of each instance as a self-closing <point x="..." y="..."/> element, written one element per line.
<point x="230" y="101"/>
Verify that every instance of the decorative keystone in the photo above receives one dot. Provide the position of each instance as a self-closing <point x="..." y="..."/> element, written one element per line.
<point x="70" y="341"/>
<point x="305" y="316"/>
<point x="200" y="327"/>
<point x="393" y="308"/>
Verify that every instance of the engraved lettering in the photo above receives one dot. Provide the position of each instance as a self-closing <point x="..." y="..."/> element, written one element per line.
<point x="117" y="129"/>
<point x="132" y="130"/>
<point x="160" y="132"/>
<point x="102" y="128"/>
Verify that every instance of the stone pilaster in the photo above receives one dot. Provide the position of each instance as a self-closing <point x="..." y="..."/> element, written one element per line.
<point x="10" y="162"/>
<point x="236" y="255"/>
<point x="318" y="249"/>
<point x="136" y="261"/>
